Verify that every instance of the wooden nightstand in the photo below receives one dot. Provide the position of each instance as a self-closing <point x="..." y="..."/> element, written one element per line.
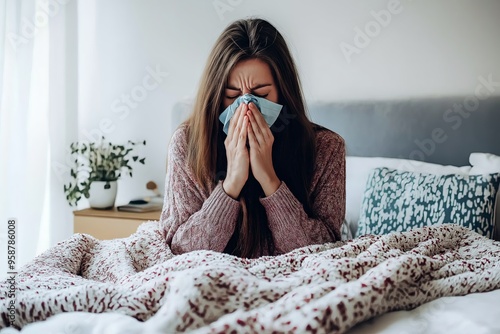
<point x="110" y="224"/>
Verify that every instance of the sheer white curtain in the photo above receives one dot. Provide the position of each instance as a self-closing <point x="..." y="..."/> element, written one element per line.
<point x="37" y="121"/>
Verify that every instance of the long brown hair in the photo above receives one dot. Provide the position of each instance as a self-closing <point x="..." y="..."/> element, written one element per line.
<point x="294" y="138"/>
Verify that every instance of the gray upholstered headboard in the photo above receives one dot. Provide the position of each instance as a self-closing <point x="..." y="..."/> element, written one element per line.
<point x="431" y="130"/>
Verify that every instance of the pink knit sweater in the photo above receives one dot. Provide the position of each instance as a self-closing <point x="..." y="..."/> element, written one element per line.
<point x="194" y="219"/>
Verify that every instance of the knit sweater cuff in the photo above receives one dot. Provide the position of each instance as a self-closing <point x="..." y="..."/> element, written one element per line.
<point x="222" y="206"/>
<point x="281" y="206"/>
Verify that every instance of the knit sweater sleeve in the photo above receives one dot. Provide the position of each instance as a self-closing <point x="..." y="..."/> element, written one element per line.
<point x="191" y="218"/>
<point x="289" y="223"/>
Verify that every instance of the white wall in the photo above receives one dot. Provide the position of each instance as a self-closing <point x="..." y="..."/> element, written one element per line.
<point x="429" y="48"/>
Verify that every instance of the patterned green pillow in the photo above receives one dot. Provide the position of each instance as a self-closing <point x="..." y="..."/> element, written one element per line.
<point x="400" y="201"/>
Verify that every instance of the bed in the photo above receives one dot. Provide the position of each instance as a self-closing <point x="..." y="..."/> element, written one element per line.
<point x="425" y="280"/>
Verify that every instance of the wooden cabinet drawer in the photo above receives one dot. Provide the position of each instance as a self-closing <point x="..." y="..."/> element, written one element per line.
<point x="110" y="224"/>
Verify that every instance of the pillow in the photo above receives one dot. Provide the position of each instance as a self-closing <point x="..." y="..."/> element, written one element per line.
<point x="358" y="169"/>
<point x="345" y="232"/>
<point x="485" y="163"/>
<point x="400" y="201"/>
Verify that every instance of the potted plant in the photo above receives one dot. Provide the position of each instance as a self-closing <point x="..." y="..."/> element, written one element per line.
<point x="97" y="167"/>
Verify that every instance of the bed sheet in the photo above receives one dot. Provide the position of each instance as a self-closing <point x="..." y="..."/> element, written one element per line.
<point x="477" y="313"/>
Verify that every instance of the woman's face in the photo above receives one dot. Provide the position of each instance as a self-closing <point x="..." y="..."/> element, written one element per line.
<point x="251" y="76"/>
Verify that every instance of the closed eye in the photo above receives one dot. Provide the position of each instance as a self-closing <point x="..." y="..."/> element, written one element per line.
<point x="233" y="97"/>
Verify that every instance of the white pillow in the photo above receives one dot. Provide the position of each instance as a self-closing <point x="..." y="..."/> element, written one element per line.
<point x="358" y="170"/>
<point x="486" y="163"/>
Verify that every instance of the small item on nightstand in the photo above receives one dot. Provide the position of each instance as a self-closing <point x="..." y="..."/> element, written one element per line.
<point x="145" y="204"/>
<point x="152" y="186"/>
<point x="158" y="198"/>
<point x="140" y="206"/>
<point x="138" y="201"/>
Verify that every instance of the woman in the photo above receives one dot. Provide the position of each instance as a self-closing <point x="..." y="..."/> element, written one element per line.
<point x="257" y="190"/>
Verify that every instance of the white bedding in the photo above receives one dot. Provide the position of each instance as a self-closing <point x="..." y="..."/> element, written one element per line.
<point x="477" y="313"/>
<point x="328" y="288"/>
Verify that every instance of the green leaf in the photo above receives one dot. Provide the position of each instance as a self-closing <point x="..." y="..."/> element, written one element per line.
<point x="115" y="160"/>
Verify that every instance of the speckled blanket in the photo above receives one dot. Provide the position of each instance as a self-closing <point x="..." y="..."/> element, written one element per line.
<point x="322" y="289"/>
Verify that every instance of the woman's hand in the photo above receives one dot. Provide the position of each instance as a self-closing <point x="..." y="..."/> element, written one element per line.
<point x="238" y="160"/>
<point x="261" y="141"/>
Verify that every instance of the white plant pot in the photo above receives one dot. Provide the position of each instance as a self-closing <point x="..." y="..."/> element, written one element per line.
<point x="102" y="196"/>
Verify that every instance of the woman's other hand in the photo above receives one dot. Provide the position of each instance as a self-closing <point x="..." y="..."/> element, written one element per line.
<point x="261" y="141"/>
<point x="238" y="160"/>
